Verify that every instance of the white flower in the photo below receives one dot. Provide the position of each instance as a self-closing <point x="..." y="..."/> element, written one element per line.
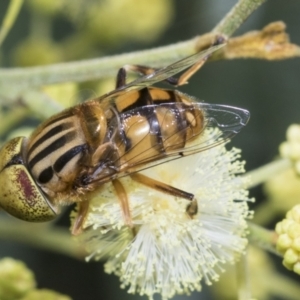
<point x="167" y="251"/>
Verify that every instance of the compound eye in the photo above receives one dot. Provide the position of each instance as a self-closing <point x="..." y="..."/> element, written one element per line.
<point x="19" y="194"/>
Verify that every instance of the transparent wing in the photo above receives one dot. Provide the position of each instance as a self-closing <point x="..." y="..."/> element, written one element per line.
<point x="220" y="124"/>
<point x="157" y="76"/>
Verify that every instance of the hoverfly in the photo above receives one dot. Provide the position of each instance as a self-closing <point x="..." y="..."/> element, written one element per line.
<point x="136" y="126"/>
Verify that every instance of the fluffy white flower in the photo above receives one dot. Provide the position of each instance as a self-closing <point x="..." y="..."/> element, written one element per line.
<point x="167" y="251"/>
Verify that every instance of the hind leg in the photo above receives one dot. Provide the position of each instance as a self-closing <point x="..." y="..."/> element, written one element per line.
<point x="191" y="209"/>
<point x="145" y="70"/>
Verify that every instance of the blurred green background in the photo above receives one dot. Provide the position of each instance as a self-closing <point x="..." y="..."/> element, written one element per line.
<point x="54" y="31"/>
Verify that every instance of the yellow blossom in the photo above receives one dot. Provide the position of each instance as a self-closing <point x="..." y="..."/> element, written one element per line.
<point x="288" y="242"/>
<point x="169" y="252"/>
<point x="46" y="7"/>
<point x="114" y="20"/>
<point x="283" y="189"/>
<point x="291" y="147"/>
<point x="15" y="279"/>
<point x="45" y="295"/>
<point x="32" y="52"/>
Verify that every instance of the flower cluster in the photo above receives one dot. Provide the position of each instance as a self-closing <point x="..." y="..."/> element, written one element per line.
<point x="18" y="282"/>
<point x="288" y="242"/>
<point x="167" y="251"/>
<point x="291" y="147"/>
<point x="98" y="26"/>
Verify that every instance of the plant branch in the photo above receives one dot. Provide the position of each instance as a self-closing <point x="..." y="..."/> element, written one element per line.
<point x="10" y="17"/>
<point x="237" y="16"/>
<point x="262" y="174"/>
<point x="264" y="238"/>
<point x="242" y="277"/>
<point x="50" y="238"/>
<point x="24" y="78"/>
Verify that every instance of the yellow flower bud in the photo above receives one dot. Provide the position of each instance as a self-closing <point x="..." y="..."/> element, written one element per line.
<point x="285" y="224"/>
<point x="144" y="22"/>
<point x="45" y="295"/>
<point x="288" y="242"/>
<point x="283" y="190"/>
<point x="284" y="149"/>
<point x="293" y="133"/>
<point x="32" y="52"/>
<point x="290" y="257"/>
<point x="296" y="244"/>
<point x="15" y="279"/>
<point x="294" y="230"/>
<point x="291" y="148"/>
<point x="296" y="268"/>
<point x="284" y="242"/>
<point x="45" y="6"/>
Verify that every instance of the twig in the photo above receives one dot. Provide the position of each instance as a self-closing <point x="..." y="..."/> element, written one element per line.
<point x="264" y="238"/>
<point x="237" y="16"/>
<point x="10" y="17"/>
<point x="50" y="238"/>
<point x="24" y="78"/>
<point x="262" y="174"/>
<point x="242" y="276"/>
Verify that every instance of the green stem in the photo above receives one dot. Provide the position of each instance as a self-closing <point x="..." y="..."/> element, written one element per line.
<point x="237" y="16"/>
<point x="10" y="18"/>
<point x="79" y="71"/>
<point x="264" y="238"/>
<point x="262" y="174"/>
<point x="242" y="276"/>
<point x="24" y="78"/>
<point x="265" y="212"/>
<point x="283" y="286"/>
<point x="50" y="238"/>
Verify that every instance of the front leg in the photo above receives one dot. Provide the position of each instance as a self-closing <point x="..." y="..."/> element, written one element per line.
<point x="100" y="168"/>
<point x="77" y="226"/>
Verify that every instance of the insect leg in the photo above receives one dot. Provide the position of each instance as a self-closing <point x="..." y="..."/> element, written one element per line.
<point x="124" y="201"/>
<point x="81" y="214"/>
<point x="142" y="70"/>
<point x="145" y="70"/>
<point x="121" y="78"/>
<point x="192" y="208"/>
<point x="183" y="79"/>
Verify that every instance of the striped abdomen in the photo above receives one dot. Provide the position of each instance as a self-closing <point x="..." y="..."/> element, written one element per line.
<point x="154" y="122"/>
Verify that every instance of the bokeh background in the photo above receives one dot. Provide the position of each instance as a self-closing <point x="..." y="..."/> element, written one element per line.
<point x="53" y="31"/>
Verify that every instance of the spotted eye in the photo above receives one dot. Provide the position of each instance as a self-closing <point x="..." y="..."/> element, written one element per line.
<point x="19" y="194"/>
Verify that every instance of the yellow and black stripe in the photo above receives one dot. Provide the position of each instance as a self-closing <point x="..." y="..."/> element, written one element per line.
<point x="55" y="150"/>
